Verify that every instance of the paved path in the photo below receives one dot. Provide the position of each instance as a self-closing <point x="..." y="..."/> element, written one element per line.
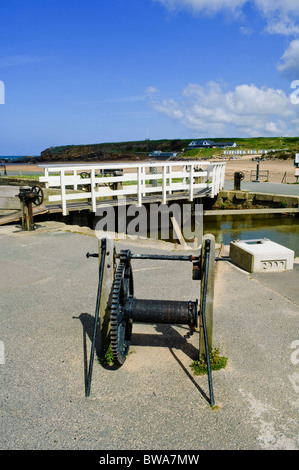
<point x="269" y="188"/>
<point x="48" y="295"/>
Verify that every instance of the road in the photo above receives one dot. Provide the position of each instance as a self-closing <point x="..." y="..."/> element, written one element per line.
<point x="153" y="402"/>
<point x="269" y="188"/>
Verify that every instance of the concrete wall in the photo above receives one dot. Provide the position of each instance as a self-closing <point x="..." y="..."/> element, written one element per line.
<point x="246" y="200"/>
<point x="8" y="198"/>
<point x="4" y="181"/>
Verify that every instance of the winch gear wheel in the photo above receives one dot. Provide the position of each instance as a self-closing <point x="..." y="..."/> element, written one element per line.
<point x="39" y="195"/>
<point x="120" y="323"/>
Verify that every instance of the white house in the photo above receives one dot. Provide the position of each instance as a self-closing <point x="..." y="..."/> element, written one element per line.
<point x="206" y="143"/>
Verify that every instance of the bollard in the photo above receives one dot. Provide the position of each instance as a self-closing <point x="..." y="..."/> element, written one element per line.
<point x="238" y="177"/>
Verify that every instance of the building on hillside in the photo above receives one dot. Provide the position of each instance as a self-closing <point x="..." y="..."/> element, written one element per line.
<point x="159" y="153"/>
<point x="206" y="143"/>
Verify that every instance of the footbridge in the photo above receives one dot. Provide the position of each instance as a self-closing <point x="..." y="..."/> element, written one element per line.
<point x="91" y="185"/>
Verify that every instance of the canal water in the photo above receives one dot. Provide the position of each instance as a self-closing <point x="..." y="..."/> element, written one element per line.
<point x="283" y="230"/>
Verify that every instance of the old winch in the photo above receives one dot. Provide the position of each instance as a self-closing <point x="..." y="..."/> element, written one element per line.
<point x="117" y="309"/>
<point x="29" y="196"/>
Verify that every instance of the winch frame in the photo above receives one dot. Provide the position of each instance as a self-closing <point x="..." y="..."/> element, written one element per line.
<point x="117" y="309"/>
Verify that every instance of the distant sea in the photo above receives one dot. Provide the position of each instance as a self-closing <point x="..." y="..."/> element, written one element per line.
<point x="17" y="158"/>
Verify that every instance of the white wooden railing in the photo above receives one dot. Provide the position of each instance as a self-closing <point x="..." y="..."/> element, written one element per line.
<point x="132" y="179"/>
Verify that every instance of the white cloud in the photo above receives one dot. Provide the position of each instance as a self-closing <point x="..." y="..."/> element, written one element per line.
<point x="247" y="31"/>
<point x="289" y="64"/>
<point x="245" y="111"/>
<point x="278" y="7"/>
<point x="281" y="16"/>
<point x="151" y="90"/>
<point x="207" y="6"/>
<point x="14" y="60"/>
<point x="121" y="99"/>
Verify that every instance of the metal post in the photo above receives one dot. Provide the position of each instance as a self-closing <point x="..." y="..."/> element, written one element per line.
<point x="257" y="171"/>
<point x="207" y="284"/>
<point x="101" y="271"/>
<point x="23" y="211"/>
<point x="203" y="315"/>
<point x="30" y="224"/>
<point x="237" y="182"/>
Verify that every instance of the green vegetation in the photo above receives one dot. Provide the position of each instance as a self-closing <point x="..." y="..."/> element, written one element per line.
<point x="138" y="150"/>
<point x="202" y="153"/>
<point x="24" y="177"/>
<point x="108" y="359"/>
<point x="286" y="147"/>
<point x="290" y="143"/>
<point x="217" y="362"/>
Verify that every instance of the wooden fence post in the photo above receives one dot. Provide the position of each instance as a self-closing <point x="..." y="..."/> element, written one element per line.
<point x="92" y="190"/>
<point x="191" y="189"/>
<point x="139" y="186"/>
<point x="63" y="192"/>
<point x="164" y="185"/>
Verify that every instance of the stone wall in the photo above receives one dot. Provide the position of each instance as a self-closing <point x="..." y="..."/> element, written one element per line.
<point x="246" y="200"/>
<point x="4" y="181"/>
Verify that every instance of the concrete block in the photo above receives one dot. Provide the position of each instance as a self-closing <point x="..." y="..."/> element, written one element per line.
<point x="241" y="195"/>
<point x="7" y="203"/>
<point x="291" y="200"/>
<point x="224" y="194"/>
<point x="263" y="197"/>
<point x="261" y="256"/>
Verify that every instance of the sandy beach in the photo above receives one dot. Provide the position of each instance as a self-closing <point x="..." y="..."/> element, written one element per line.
<point x="276" y="168"/>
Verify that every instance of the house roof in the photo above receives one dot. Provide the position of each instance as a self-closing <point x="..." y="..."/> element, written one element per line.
<point x="207" y="142"/>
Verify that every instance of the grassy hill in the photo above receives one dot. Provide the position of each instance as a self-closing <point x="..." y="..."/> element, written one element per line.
<point x="139" y="150"/>
<point x="134" y="150"/>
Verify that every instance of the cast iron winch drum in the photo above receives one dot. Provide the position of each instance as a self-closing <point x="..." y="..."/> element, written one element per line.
<point x="120" y="321"/>
<point x="126" y="309"/>
<point x="118" y="308"/>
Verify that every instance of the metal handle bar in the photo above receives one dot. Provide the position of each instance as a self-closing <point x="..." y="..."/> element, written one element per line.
<point x="101" y="272"/>
<point x="157" y="257"/>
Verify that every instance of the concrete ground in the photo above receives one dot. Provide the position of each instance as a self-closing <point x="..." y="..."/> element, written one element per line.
<point x="268" y="188"/>
<point x="153" y="402"/>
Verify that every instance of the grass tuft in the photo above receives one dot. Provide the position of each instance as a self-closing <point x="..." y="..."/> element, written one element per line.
<point x="218" y="362"/>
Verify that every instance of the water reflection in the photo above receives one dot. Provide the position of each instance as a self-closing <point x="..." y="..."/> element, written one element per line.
<point x="282" y="230"/>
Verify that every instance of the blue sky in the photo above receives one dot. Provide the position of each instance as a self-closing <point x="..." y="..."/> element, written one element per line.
<point x="77" y="72"/>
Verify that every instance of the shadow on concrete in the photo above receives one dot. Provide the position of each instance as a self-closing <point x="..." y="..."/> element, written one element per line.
<point x="173" y="340"/>
<point x="88" y="327"/>
<point x="169" y="338"/>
